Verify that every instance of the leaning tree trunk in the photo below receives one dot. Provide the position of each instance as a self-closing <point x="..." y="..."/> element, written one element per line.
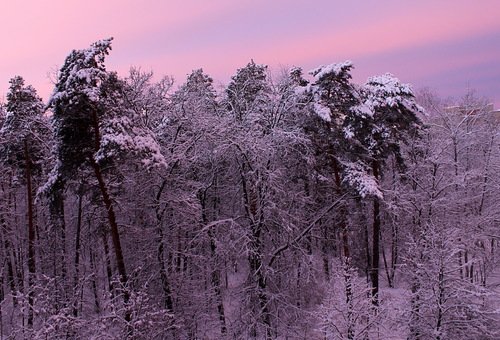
<point x="115" y="236"/>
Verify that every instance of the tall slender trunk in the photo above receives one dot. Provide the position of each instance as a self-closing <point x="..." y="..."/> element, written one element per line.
<point x="167" y="293"/>
<point x="2" y="297"/>
<point x="109" y="271"/>
<point x="58" y="224"/>
<point x="165" y="284"/>
<point x="255" y="260"/>
<point x="76" y="276"/>
<point x="374" y="273"/>
<point x="160" y="255"/>
<point x="11" y="282"/>
<point x="325" y="251"/>
<point x="256" y="217"/>
<point x="31" y="237"/>
<point x="115" y="235"/>
<point x="347" y="255"/>
<point x="215" y="274"/>
<point x="93" y="269"/>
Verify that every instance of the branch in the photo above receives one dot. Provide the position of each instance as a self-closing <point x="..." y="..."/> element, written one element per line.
<point x="287" y="245"/>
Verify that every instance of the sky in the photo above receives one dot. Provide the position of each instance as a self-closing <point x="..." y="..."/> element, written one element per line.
<point x="450" y="46"/>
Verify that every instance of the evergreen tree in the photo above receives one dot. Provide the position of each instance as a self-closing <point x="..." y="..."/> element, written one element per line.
<point x="94" y="130"/>
<point x="22" y="149"/>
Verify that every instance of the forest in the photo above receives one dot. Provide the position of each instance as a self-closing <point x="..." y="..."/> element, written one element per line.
<point x="283" y="205"/>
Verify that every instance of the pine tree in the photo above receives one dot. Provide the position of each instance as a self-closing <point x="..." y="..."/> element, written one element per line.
<point x="22" y="150"/>
<point x="94" y="130"/>
<point x="393" y="120"/>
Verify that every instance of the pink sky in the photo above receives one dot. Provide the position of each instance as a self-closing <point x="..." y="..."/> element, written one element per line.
<point x="448" y="45"/>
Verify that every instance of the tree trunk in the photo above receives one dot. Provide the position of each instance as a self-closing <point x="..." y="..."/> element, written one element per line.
<point x="31" y="237"/>
<point x="374" y="273"/>
<point x="347" y="256"/>
<point x="11" y="282"/>
<point x="93" y="269"/>
<point x="58" y="224"/>
<point x="115" y="235"/>
<point x="255" y="254"/>
<point x="109" y="271"/>
<point x="2" y="297"/>
<point x="215" y="275"/>
<point x="76" y="276"/>
<point x="165" y="284"/>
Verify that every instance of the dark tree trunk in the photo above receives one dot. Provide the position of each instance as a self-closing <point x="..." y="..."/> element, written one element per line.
<point x="346" y="253"/>
<point x="31" y="237"/>
<point x="93" y="268"/>
<point x="109" y="271"/>
<point x="76" y="277"/>
<point x="256" y="219"/>
<point x="160" y="255"/>
<point x="57" y="220"/>
<point x="255" y="261"/>
<point x="374" y="273"/>
<point x="11" y="282"/>
<point x="2" y="297"/>
<point x="115" y="235"/>
<point x="215" y="274"/>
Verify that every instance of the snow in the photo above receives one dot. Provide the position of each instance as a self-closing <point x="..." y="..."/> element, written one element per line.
<point x="387" y="91"/>
<point x="121" y="136"/>
<point x="363" y="110"/>
<point x="322" y="111"/>
<point x="348" y="133"/>
<point x="301" y="90"/>
<point x="364" y="183"/>
<point x="334" y="69"/>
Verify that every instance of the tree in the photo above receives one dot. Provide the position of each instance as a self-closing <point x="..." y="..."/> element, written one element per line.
<point x="392" y="122"/>
<point x="23" y="152"/>
<point x="94" y="129"/>
<point x="148" y="99"/>
<point x="247" y="91"/>
<point x="338" y="110"/>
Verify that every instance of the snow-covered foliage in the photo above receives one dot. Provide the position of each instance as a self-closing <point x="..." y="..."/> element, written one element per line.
<point x="358" y="177"/>
<point x="247" y="91"/>
<point x="90" y="104"/>
<point x="386" y="91"/>
<point x="23" y="123"/>
<point x="323" y="112"/>
<point x="82" y="74"/>
<point x="122" y="138"/>
<point x="332" y="70"/>
<point x="24" y="107"/>
<point x="275" y="208"/>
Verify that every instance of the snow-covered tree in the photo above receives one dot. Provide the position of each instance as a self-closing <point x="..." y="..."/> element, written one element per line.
<point x="94" y="130"/>
<point x="22" y="149"/>
<point x="247" y="91"/>
<point x="147" y="98"/>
